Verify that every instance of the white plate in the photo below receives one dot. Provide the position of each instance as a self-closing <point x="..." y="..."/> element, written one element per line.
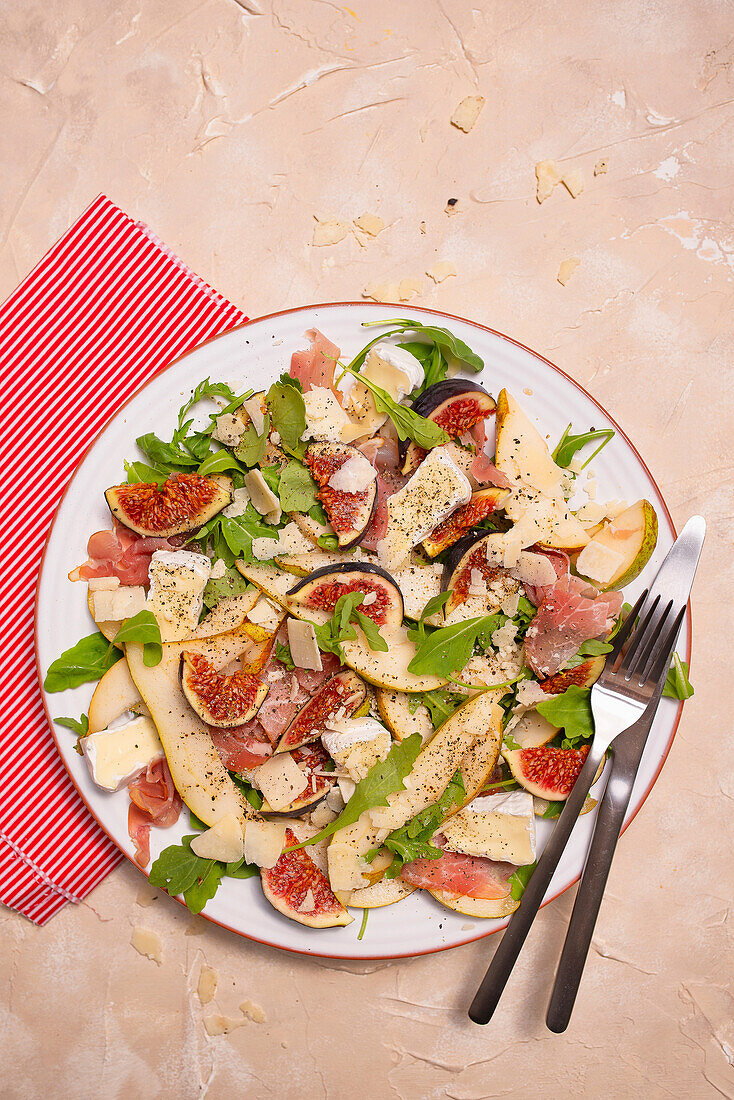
<point x="253" y="355"/>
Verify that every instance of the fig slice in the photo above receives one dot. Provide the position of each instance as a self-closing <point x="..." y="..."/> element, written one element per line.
<point x="338" y="698"/>
<point x="545" y="771"/>
<point x="456" y="405"/>
<point x="219" y="699"/>
<point x="299" y="890"/>
<point x="481" y="505"/>
<point x="320" y="590"/>
<point x="476" y="560"/>
<point x="584" y="675"/>
<point x="349" y="513"/>
<point x="182" y="503"/>
<point x="311" y="759"/>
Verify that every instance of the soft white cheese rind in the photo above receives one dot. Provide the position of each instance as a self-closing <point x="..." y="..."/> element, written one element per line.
<point x="177" y="582"/>
<point x="115" y="756"/>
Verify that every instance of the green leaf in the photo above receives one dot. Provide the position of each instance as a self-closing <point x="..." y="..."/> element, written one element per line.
<point x="283" y="654"/>
<point x="449" y="344"/>
<point x="339" y="628"/>
<point x="220" y="588"/>
<point x="569" y="444"/>
<point x="677" y="684"/>
<point x="594" y="648"/>
<point x="177" y="868"/>
<point x="446" y="650"/>
<point x="441" y="704"/>
<point x="296" y="487"/>
<point x="570" y="711"/>
<point x="519" y="880"/>
<point x="88" y="660"/>
<point x="434" y="363"/>
<point x="288" y="414"/>
<point x="218" y="462"/>
<point x="240" y="869"/>
<point x="413" y="840"/>
<point x="197" y="823"/>
<point x="203" y="890"/>
<point x="236" y="534"/>
<point x="143" y="628"/>
<point x="383" y="779"/>
<point x="138" y="471"/>
<point x="328" y="542"/>
<point x="553" y="810"/>
<point x="418" y="634"/>
<point x="408" y="424"/>
<point x="205" y="389"/>
<point x="363" y="925"/>
<point x="80" y="726"/>
<point x="371" y="631"/>
<point x="246" y="788"/>
<point x="166" y="456"/>
<point x="251" y="447"/>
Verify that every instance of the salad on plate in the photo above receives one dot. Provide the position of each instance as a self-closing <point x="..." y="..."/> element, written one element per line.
<point x="349" y="626"/>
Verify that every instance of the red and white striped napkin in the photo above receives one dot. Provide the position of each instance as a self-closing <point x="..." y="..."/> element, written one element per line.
<point x="106" y="308"/>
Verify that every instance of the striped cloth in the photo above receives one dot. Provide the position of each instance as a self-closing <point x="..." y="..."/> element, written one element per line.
<point x="106" y="308"/>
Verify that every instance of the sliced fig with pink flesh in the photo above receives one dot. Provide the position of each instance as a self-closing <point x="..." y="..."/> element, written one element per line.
<point x="320" y="590"/>
<point x="298" y="889"/>
<point x="311" y="759"/>
<point x="482" y="504"/>
<point x="349" y="513"/>
<point x="219" y="699"/>
<point x="182" y="503"/>
<point x="545" y="771"/>
<point x="471" y="555"/>
<point x="338" y="698"/>
<point x="456" y="405"/>
<point x="584" y="675"/>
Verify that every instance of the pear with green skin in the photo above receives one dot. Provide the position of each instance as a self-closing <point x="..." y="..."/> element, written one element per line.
<point x="634" y="535"/>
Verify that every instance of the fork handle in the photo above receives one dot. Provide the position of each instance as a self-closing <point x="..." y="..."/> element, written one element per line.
<point x="588" y="900"/>
<point x="495" y="980"/>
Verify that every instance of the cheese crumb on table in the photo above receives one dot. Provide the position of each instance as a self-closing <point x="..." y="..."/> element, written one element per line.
<point x="401" y="291"/>
<point x="148" y="944"/>
<point x="253" y="1012"/>
<point x="441" y="271"/>
<point x="547" y="176"/>
<point x="600" y="168"/>
<point x="216" y="1024"/>
<point x="329" y="231"/>
<point x="371" y="224"/>
<point x="467" y="112"/>
<point x="573" y="181"/>
<point x="566" y="269"/>
<point x="207" y="984"/>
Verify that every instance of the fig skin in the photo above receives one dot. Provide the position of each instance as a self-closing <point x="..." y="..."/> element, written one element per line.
<point x="181" y="504"/>
<point x="286" y="886"/>
<point x="483" y="503"/>
<point x="434" y="404"/>
<point x="246" y="692"/>
<point x="350" y="574"/>
<point x="361" y="505"/>
<point x="345" y="691"/>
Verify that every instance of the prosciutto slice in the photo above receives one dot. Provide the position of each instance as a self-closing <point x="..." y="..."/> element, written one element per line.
<point x="568" y="615"/>
<point x="560" y="562"/>
<point x="484" y="472"/>
<point x="242" y="748"/>
<point x="460" y="875"/>
<point x="386" y="461"/>
<point x="153" y="801"/>
<point x="315" y="365"/>
<point x="120" y="553"/>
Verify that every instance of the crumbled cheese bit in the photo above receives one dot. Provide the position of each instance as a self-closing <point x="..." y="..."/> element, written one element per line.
<point x="145" y="896"/>
<point x="238" y="507"/>
<point x="566" y="269"/>
<point x="294" y="689"/>
<point x="591" y="513"/>
<point x="219" y="568"/>
<point x="440" y="271"/>
<point x="369" y="598"/>
<point x="228" y="429"/>
<point x="467" y="112"/>
<point x="573" y="181"/>
<point x="477" y="585"/>
<point x="275" y="438"/>
<point x="207" y="984"/>
<point x="547" y="176"/>
<point x="600" y="168"/>
<point x="529" y="692"/>
<point x="371" y="224"/>
<point x="329" y="231"/>
<point x="253" y="1012"/>
<point x="353" y="476"/>
<point x="382" y="292"/>
<point x="590" y="489"/>
<point x="216" y="1024"/>
<point x="148" y="944"/>
<point x="510" y="604"/>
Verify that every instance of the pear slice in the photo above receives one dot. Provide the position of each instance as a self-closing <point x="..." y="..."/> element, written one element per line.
<point x="477" y="907"/>
<point x="622" y="548"/>
<point x="114" y="694"/>
<point x="384" y="892"/>
<point x="394" y="708"/>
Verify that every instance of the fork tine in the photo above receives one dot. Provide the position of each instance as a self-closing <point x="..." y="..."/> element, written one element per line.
<point x="664" y="650"/>
<point x="648" y="641"/>
<point x="639" y="636"/>
<point x="624" y="630"/>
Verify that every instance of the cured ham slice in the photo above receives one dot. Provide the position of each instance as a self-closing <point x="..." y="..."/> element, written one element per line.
<point x="463" y="876"/>
<point x="568" y="615"/>
<point x="311" y="680"/>
<point x="386" y="461"/>
<point x="120" y="553"/>
<point x="315" y="365"/>
<point x="484" y="472"/>
<point x="242" y="748"/>
<point x="560" y="562"/>
<point x="153" y="801"/>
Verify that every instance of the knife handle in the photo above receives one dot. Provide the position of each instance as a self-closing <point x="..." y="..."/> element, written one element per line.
<point x="588" y="900"/>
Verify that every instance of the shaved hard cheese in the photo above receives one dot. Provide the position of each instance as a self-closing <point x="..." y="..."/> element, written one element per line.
<point x="263" y="498"/>
<point x="223" y="841"/>
<point x="534" y="569"/>
<point x="325" y="417"/>
<point x="499" y="827"/>
<point x="228" y="429"/>
<point x="207" y="984"/>
<point x="304" y="649"/>
<point x="253" y="408"/>
<point x="598" y="562"/>
<point x="103" y="584"/>
<point x="148" y="944"/>
<point x="289" y="541"/>
<point x="372" y="224"/>
<point x="238" y="507"/>
<point x="264" y="842"/>
<point x="467" y="112"/>
<point x="353" y="476"/>
<point x="280" y="780"/>
<point x="265" y="614"/>
<point x="115" y="604"/>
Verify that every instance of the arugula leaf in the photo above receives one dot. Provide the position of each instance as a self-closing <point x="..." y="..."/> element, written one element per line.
<point x="519" y="880"/>
<point x="383" y="779"/>
<point x="205" y="887"/>
<point x="449" y="344"/>
<point x="89" y="659"/>
<point x="408" y="424"/>
<point x="251" y="447"/>
<point x="217" y="462"/>
<point x="231" y="537"/>
<point x="677" y="684"/>
<point x="371" y="631"/>
<point x="196" y="822"/>
<point x="441" y="704"/>
<point x="288" y="414"/>
<point x="178" y="870"/>
<point x="283" y="654"/>
<point x="328" y="542"/>
<point x="138" y="471"/>
<point x="572" y="712"/>
<point x="413" y="840"/>
<point x="252" y="795"/>
<point x="339" y="628"/>
<point x="240" y="869"/>
<point x="569" y="444"/>
<point x="219" y="588"/>
<point x="204" y="389"/>
<point x="553" y="810"/>
<point x="80" y="726"/>
<point x="143" y="628"/>
<point x="296" y="487"/>
<point x="166" y="456"/>
<point x="446" y="650"/>
<point x="591" y="648"/>
<point x="435" y="366"/>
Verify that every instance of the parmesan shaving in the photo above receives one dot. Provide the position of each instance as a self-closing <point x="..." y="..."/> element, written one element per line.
<point x="468" y="111"/>
<point x="441" y="271"/>
<point x="547" y="176"/>
<point x="148" y="944"/>
<point x="329" y="231"/>
<point x="371" y="224"/>
<point x="207" y="984"/>
<point x="566" y="269"/>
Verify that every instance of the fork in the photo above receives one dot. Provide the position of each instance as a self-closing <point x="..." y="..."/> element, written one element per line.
<point x="618" y="699"/>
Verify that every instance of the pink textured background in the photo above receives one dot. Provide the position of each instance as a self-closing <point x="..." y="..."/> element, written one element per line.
<point x="227" y="125"/>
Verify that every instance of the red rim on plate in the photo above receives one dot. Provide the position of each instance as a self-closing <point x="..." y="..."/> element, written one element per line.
<point x="413" y="309"/>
